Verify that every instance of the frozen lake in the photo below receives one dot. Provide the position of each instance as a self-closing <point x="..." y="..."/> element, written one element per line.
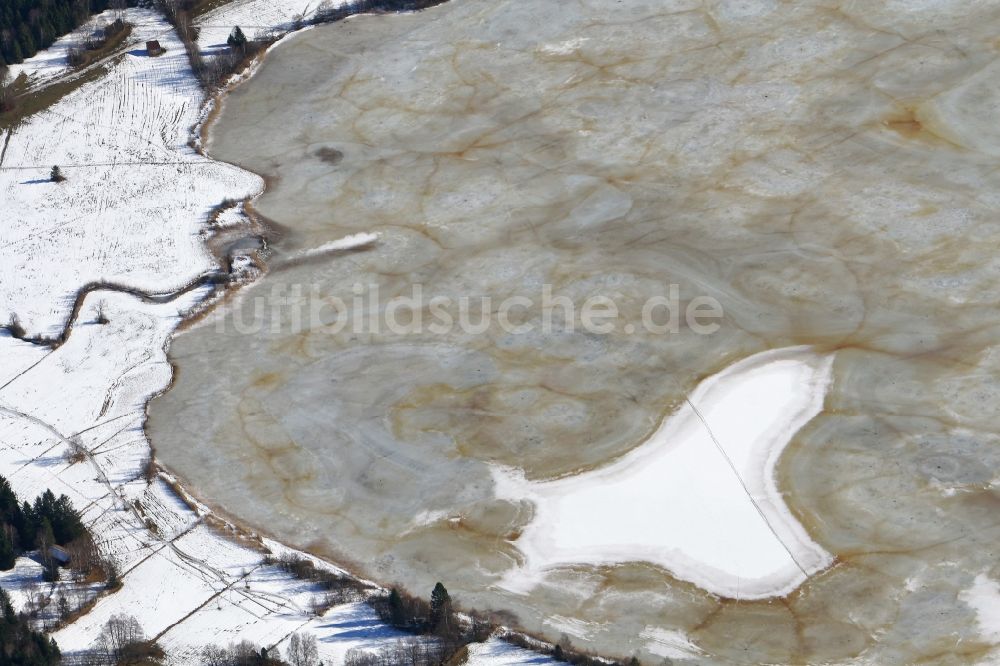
<point x="826" y="177"/>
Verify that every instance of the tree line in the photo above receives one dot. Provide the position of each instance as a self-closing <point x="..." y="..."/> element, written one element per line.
<point x="28" y="26"/>
<point x="20" y="645"/>
<point x="47" y="522"/>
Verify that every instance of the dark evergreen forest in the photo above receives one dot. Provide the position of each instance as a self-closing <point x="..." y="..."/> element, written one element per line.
<point x="28" y="26"/>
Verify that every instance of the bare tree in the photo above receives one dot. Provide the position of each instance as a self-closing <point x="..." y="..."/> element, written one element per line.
<point x="6" y="89"/>
<point x="215" y="655"/>
<point x="302" y="650"/>
<point x="76" y="451"/>
<point x="119" y="635"/>
<point x="243" y="653"/>
<point x="412" y="652"/>
<point x="119" y="8"/>
<point x="84" y="557"/>
<point x="35" y="604"/>
<point x="405" y="652"/>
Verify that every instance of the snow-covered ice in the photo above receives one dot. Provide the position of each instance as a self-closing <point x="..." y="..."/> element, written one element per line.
<point x="682" y="499"/>
<point x="984" y="598"/>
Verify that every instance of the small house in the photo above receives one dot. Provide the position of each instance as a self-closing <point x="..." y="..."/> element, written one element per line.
<point x="153" y="48"/>
<point x="60" y="555"/>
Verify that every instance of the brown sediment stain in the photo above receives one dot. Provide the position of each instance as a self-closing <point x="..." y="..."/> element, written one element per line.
<point x="905" y="122"/>
<point x="273" y="231"/>
<point x="913" y="123"/>
<point x="268" y="380"/>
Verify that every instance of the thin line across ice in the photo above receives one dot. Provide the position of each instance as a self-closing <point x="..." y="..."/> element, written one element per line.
<point x="710" y="513"/>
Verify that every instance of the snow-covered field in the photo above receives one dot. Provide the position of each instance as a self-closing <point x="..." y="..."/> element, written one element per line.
<point x="699" y="496"/>
<point x="495" y="652"/>
<point x="255" y="17"/>
<point x="135" y="203"/>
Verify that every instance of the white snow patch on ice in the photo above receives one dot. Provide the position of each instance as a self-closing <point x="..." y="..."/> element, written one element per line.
<point x="346" y="243"/>
<point x="682" y="499"/>
<point x="564" y="48"/>
<point x="670" y="644"/>
<point x="984" y="598"/>
<point x="572" y="626"/>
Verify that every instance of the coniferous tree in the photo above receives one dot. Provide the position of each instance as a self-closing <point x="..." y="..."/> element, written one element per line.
<point x="27" y="26"/>
<point x="236" y="38"/>
<point x="66" y="523"/>
<point x="44" y="542"/>
<point x="20" y="645"/>
<point x="9" y="507"/>
<point x="27" y="529"/>
<point x="8" y="557"/>
<point x="440" y="608"/>
<point x="397" y="614"/>
<point x="63" y="520"/>
<point x="11" y="519"/>
<point x="6" y="608"/>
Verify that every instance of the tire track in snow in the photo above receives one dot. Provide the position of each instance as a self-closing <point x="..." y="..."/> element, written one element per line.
<point x="6" y="142"/>
<point x="739" y="478"/>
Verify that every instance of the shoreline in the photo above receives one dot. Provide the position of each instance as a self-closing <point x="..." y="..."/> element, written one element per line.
<point x="228" y="525"/>
<point x="215" y="107"/>
<point x="744" y="190"/>
<point x="174" y="556"/>
<point x="721" y="368"/>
